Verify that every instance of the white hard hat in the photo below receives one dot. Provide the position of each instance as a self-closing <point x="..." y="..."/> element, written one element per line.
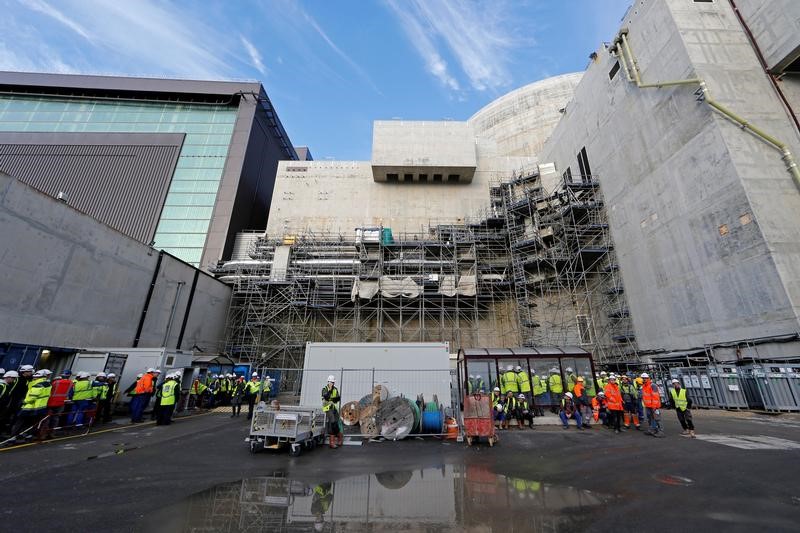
<point x="603" y="373"/>
<point x="601" y="393"/>
<point x="26" y="368"/>
<point x="519" y="368"/>
<point x="521" y="396"/>
<point x="11" y="374"/>
<point x="2" y="370"/>
<point x="554" y="369"/>
<point x="254" y="374"/>
<point x="112" y="375"/>
<point x="46" y="372"/>
<point x="471" y="376"/>
<point x="139" y="375"/>
<point x="331" y="379"/>
<point x="612" y="377"/>
<point x="478" y="376"/>
<point x="645" y="375"/>
<point x="151" y="369"/>
<point x="510" y="367"/>
<point x="496" y="389"/>
<point x="156" y="371"/>
<point x="676" y="381"/>
<point x="568" y="395"/>
<point x="228" y="375"/>
<point x="569" y="369"/>
<point x="101" y="374"/>
<point x="39" y="374"/>
<point x="83" y="374"/>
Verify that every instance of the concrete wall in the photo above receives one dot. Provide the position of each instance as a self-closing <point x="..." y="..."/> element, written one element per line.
<point x="67" y="280"/>
<point x="775" y="25"/>
<point x="695" y="205"/>
<point x="522" y="120"/>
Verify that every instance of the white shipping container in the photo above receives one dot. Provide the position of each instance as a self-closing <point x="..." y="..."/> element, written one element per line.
<point x="406" y="369"/>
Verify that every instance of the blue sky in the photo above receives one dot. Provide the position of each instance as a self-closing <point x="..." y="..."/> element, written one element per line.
<point x="331" y="67"/>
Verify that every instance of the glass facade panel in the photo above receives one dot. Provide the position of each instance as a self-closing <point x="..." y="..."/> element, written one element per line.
<point x="186" y="217"/>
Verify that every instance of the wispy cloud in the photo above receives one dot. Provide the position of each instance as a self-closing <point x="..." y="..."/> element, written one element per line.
<point x="418" y="35"/>
<point x="349" y="60"/>
<point x="46" y="9"/>
<point x="476" y="34"/>
<point x="255" y="55"/>
<point x="145" y="37"/>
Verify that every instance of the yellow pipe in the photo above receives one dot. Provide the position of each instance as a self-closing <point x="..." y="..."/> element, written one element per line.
<point x="621" y="57"/>
<point x="658" y="85"/>
<point x="634" y="64"/>
<point x="791" y="164"/>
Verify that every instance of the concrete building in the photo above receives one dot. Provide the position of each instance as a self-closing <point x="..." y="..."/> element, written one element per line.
<point x="703" y="209"/>
<point x="70" y="282"/>
<point x="421" y="173"/>
<point x="182" y="164"/>
<point x="411" y="246"/>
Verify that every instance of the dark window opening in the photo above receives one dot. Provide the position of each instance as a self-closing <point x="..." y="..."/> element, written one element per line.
<point x="703" y="1"/>
<point x="613" y="71"/>
<point x="567" y="175"/>
<point x="452" y="178"/>
<point x="392" y="177"/>
<point x="408" y="177"/>
<point x="583" y="163"/>
<point x="437" y="177"/>
<point x="423" y="177"/>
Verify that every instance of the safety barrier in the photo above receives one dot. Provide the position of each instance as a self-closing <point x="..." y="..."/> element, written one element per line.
<point x="698" y="385"/>
<point x="776" y="387"/>
<point x="729" y="386"/>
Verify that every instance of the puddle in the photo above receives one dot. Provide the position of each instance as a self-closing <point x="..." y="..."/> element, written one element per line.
<point x="450" y="498"/>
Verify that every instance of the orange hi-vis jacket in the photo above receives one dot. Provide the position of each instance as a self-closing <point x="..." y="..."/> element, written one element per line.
<point x="650" y="396"/>
<point x="597" y="404"/>
<point x="613" y="397"/>
<point x="577" y="391"/>
<point x="145" y="384"/>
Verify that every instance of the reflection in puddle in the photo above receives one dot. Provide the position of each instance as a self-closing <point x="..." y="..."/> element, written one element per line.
<point x="439" y="499"/>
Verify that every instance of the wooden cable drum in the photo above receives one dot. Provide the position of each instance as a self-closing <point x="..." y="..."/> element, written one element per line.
<point x="396" y="417"/>
<point x="351" y="412"/>
<point x="417" y="415"/>
<point x="365" y="401"/>
<point x="380" y="393"/>
<point x="368" y="421"/>
<point x="369" y="426"/>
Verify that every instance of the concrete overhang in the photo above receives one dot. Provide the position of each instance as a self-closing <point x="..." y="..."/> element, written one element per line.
<point x="421" y="151"/>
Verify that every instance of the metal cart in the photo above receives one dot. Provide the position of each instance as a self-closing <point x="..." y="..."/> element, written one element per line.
<point x="478" y="419"/>
<point x="287" y="426"/>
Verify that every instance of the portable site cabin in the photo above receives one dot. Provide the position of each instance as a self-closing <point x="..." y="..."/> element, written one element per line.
<point x="490" y="363"/>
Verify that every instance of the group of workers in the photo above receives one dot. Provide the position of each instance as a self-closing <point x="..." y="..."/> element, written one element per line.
<point x="33" y="403"/>
<point x="167" y="394"/>
<point x="617" y="401"/>
<point x="229" y="389"/>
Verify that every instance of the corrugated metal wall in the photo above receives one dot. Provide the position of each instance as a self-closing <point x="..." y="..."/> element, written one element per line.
<point x="120" y="179"/>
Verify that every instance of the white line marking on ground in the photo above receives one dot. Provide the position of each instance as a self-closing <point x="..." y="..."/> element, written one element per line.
<point x="752" y="442"/>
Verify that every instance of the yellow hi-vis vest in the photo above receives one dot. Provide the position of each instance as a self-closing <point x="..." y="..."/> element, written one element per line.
<point x="679" y="398"/>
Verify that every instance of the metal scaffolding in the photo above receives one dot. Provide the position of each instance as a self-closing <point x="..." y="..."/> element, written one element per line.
<point x="567" y="285"/>
<point x="534" y="268"/>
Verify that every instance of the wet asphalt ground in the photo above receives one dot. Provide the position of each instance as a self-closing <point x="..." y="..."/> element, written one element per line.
<point x="741" y="474"/>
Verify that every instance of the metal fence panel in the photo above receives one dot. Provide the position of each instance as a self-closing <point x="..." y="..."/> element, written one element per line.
<point x="729" y="386"/>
